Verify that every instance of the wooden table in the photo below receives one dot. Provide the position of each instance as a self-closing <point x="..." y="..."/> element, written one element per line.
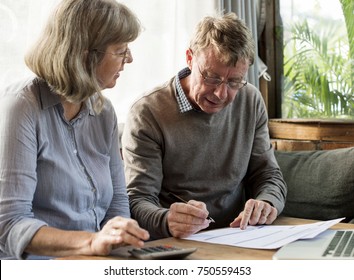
<point x="206" y="251"/>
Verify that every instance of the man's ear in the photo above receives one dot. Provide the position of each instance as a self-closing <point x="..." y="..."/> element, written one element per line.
<point x="189" y="56"/>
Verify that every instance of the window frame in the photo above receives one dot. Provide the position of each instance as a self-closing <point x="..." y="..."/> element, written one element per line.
<point x="270" y="50"/>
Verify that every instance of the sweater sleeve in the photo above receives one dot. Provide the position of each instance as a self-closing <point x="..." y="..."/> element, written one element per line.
<point x="143" y="170"/>
<point x="265" y="180"/>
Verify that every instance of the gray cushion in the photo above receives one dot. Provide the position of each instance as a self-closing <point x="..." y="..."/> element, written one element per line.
<point x="320" y="183"/>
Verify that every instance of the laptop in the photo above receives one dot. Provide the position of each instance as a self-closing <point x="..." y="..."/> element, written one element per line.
<point x="328" y="245"/>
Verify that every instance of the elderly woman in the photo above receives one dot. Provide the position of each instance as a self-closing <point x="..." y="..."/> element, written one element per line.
<point x="62" y="186"/>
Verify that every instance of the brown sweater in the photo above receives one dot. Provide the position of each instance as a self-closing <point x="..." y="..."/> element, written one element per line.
<point x="198" y="156"/>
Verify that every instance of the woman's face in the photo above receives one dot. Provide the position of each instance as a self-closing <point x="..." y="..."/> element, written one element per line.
<point x="108" y="70"/>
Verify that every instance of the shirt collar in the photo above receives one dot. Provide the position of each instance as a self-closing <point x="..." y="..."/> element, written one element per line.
<point x="49" y="98"/>
<point x="183" y="102"/>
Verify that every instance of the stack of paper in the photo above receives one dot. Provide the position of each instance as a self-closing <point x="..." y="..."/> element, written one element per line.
<point x="263" y="236"/>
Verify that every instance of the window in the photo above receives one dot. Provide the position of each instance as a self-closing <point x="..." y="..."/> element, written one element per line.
<point x="296" y="121"/>
<point x="21" y="22"/>
<point x="309" y="51"/>
<point x="318" y="67"/>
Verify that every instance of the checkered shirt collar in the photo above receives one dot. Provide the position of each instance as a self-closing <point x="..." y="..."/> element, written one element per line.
<point x="183" y="103"/>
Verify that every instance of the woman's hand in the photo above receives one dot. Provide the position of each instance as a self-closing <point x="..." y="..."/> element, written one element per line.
<point x="117" y="232"/>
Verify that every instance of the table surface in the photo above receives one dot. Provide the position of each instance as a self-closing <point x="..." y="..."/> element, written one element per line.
<point x="208" y="251"/>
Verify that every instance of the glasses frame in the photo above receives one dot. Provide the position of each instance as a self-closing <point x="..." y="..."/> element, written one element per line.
<point x="126" y="54"/>
<point x="215" y="82"/>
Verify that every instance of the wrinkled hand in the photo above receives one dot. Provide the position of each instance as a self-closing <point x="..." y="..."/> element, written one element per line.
<point x="255" y="212"/>
<point x="185" y="219"/>
<point x="117" y="232"/>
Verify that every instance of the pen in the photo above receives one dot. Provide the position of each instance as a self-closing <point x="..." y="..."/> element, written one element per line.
<point x="180" y="199"/>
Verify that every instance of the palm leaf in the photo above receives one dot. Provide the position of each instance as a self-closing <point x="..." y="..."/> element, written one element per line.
<point x="317" y="81"/>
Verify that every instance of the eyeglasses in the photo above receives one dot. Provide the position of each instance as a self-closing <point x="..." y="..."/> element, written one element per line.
<point x="126" y="54"/>
<point x="215" y="82"/>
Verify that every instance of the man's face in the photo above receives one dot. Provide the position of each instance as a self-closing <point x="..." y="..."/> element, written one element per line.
<point x="212" y="84"/>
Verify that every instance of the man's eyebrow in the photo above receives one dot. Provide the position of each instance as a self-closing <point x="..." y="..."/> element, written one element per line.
<point x="216" y="75"/>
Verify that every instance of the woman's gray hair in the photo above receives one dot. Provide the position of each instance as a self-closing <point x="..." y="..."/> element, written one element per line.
<point x="228" y="35"/>
<point x="63" y="54"/>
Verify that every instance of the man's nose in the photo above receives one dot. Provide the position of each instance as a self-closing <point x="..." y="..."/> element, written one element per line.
<point x="221" y="91"/>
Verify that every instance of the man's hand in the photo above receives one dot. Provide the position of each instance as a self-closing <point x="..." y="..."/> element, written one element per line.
<point x="255" y="212"/>
<point x="185" y="219"/>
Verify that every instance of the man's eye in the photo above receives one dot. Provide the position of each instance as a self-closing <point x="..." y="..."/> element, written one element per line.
<point x="213" y="80"/>
<point x="233" y="83"/>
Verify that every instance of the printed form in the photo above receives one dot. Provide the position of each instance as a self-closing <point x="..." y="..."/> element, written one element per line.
<point x="263" y="236"/>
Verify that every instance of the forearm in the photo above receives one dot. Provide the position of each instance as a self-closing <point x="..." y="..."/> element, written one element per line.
<point x="150" y="216"/>
<point x="50" y="241"/>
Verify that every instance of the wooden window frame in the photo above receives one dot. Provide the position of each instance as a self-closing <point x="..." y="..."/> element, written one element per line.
<point x="270" y="50"/>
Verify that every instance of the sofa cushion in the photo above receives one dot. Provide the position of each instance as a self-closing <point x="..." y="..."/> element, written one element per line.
<point x="320" y="183"/>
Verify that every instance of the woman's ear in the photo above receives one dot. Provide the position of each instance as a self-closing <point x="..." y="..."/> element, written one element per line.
<point x="189" y="56"/>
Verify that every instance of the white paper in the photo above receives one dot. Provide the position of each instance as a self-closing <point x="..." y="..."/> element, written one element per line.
<point x="262" y="236"/>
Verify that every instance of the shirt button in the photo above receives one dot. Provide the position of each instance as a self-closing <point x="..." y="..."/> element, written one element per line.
<point x="75" y="152"/>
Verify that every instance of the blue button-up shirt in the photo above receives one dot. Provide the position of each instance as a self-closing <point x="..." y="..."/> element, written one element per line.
<point x="65" y="174"/>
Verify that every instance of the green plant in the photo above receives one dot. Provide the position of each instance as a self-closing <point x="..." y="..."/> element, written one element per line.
<point x="318" y="81"/>
<point x="348" y="12"/>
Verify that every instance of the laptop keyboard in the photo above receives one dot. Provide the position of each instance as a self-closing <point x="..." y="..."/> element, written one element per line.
<point x="341" y="245"/>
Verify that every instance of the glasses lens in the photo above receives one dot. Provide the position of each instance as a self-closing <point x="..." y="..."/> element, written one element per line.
<point x="212" y="81"/>
<point x="236" y="85"/>
<point x="216" y="82"/>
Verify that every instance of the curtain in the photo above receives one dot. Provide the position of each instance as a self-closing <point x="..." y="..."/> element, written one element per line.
<point x="253" y="14"/>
